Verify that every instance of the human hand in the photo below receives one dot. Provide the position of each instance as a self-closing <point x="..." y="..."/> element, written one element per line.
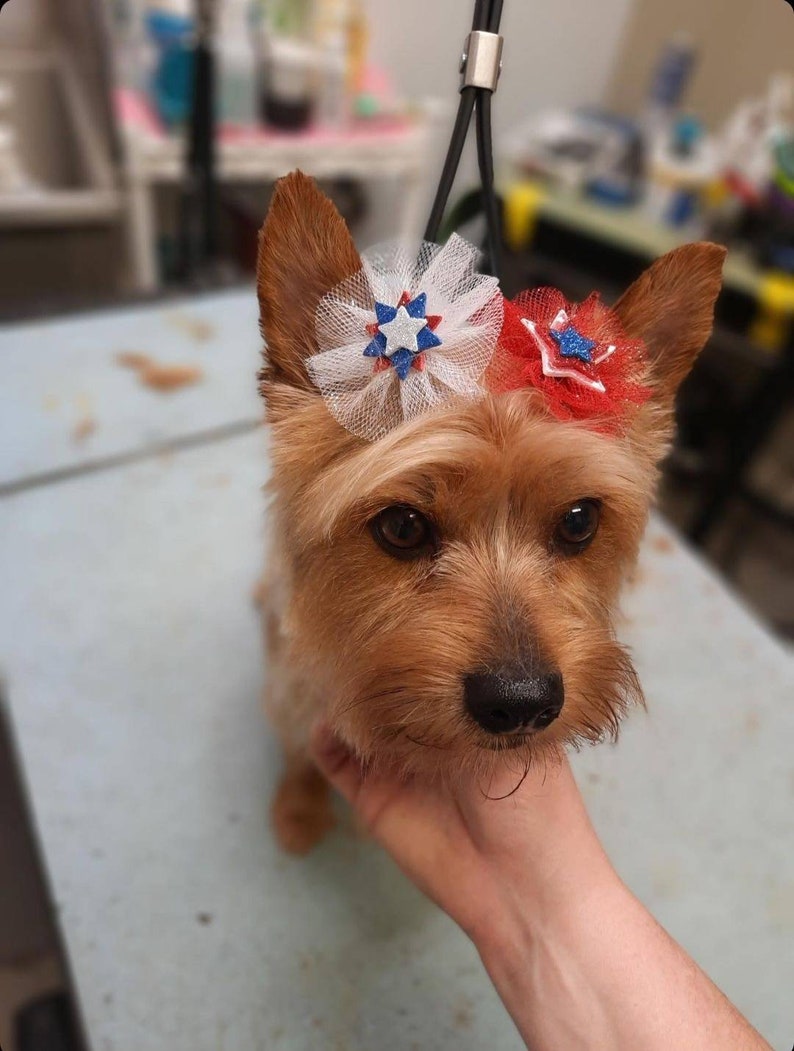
<point x="577" y="960"/>
<point x="490" y="855"/>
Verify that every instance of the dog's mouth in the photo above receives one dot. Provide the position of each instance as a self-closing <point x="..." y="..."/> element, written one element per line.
<point x="497" y="743"/>
<point x="507" y="743"/>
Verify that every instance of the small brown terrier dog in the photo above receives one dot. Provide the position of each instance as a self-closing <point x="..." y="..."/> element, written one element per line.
<point x="425" y="594"/>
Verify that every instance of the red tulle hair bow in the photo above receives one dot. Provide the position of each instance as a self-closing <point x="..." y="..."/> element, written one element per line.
<point x="576" y="354"/>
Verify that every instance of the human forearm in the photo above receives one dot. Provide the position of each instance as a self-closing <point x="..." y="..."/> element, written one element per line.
<point x="597" y="973"/>
<point x="579" y="963"/>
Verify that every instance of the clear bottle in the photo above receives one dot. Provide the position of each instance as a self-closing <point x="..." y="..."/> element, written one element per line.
<point x="667" y="87"/>
<point x="288" y="66"/>
<point x="331" y="38"/>
<point x="133" y="54"/>
<point x="236" y="64"/>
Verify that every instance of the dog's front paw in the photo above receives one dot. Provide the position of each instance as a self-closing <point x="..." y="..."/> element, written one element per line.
<point x="301" y="812"/>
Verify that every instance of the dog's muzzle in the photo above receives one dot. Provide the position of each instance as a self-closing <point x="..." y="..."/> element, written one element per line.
<point x="502" y="704"/>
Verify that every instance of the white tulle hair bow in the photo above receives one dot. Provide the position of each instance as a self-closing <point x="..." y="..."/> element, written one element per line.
<point x="408" y="332"/>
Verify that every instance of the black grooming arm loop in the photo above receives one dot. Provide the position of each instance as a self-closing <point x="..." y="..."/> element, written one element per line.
<point x="480" y="66"/>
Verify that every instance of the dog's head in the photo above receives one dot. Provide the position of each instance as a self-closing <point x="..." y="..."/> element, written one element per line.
<point x="453" y="582"/>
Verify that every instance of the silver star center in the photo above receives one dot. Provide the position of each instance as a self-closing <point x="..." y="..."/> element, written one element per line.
<point x="402" y="331"/>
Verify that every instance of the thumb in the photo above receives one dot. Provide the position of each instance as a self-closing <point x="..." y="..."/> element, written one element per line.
<point x="415" y="826"/>
<point x="336" y="762"/>
<point x="384" y="804"/>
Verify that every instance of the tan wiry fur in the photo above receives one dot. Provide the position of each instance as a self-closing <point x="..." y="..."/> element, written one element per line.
<point x="380" y="646"/>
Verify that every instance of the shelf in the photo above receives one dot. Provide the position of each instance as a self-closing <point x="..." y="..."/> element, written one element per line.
<point x="376" y="154"/>
<point x="59" y="208"/>
<point x="631" y="229"/>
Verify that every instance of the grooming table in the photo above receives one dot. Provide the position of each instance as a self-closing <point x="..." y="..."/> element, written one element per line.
<point x="131" y="652"/>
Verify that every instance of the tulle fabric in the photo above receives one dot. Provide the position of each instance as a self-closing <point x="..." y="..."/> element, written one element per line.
<point x="369" y="399"/>
<point x="606" y="393"/>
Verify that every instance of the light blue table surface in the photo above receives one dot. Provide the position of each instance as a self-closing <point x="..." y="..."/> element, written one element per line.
<point x="131" y="652"/>
<point x="57" y="374"/>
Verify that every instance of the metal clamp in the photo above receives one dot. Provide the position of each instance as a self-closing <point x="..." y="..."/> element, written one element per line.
<point x="481" y="61"/>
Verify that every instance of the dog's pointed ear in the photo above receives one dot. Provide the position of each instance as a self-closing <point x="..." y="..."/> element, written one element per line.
<point x="305" y="249"/>
<point x="671" y="308"/>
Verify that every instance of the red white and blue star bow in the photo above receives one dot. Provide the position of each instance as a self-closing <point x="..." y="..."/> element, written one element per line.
<point x="408" y="332"/>
<point x="576" y="354"/>
<point x="401" y="334"/>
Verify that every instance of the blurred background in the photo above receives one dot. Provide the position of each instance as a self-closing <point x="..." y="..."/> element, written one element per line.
<point x="139" y="140"/>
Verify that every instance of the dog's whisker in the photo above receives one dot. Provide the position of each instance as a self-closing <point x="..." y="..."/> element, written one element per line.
<point x="424" y="744"/>
<point x="373" y="698"/>
<point x="513" y="791"/>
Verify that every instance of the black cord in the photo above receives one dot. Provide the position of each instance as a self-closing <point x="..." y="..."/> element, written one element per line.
<point x="495" y="16"/>
<point x="480" y="17"/>
<point x="458" y="140"/>
<point x="490" y="202"/>
<point x="487" y="16"/>
<point x="485" y="159"/>
<point x="198" y="238"/>
<point x="450" y="169"/>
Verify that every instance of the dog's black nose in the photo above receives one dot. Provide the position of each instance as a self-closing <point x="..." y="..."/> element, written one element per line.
<point x="501" y="704"/>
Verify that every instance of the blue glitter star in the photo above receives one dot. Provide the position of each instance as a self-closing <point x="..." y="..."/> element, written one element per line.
<point x="403" y="358"/>
<point x="402" y="362"/>
<point x="573" y="344"/>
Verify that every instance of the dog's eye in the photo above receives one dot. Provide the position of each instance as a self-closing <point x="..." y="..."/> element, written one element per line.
<point x="578" y="526"/>
<point x="404" y="532"/>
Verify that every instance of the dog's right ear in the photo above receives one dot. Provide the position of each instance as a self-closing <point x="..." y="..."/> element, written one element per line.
<point x="305" y="249"/>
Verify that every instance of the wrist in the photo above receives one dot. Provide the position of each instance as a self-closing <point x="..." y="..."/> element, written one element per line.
<point x="546" y="897"/>
<point x="537" y="904"/>
<point x="554" y="864"/>
<point x="535" y="953"/>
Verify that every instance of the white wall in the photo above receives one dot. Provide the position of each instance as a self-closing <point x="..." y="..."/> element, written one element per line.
<point x="556" y="52"/>
<point x="23" y="24"/>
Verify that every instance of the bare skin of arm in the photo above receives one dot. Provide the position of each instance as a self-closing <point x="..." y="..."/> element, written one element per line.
<point x="579" y="963"/>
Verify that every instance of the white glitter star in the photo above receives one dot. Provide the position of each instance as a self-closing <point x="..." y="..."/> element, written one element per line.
<point x="549" y="368"/>
<point x="402" y="331"/>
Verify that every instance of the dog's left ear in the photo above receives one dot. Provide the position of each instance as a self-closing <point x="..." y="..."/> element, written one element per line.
<point x="671" y="308"/>
<point x="305" y="249"/>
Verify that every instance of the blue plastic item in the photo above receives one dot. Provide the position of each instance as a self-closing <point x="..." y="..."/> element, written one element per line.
<point x="672" y="73"/>
<point x="682" y="207"/>
<point x="172" y="79"/>
<point x="687" y="133"/>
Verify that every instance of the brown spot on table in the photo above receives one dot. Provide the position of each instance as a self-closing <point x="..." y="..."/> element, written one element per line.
<point x="158" y="376"/>
<point x="84" y="428"/>
<point x="662" y="544"/>
<point x="752" y="722"/>
<point x="464" y="1015"/>
<point x="133" y="359"/>
<point x="196" y="327"/>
